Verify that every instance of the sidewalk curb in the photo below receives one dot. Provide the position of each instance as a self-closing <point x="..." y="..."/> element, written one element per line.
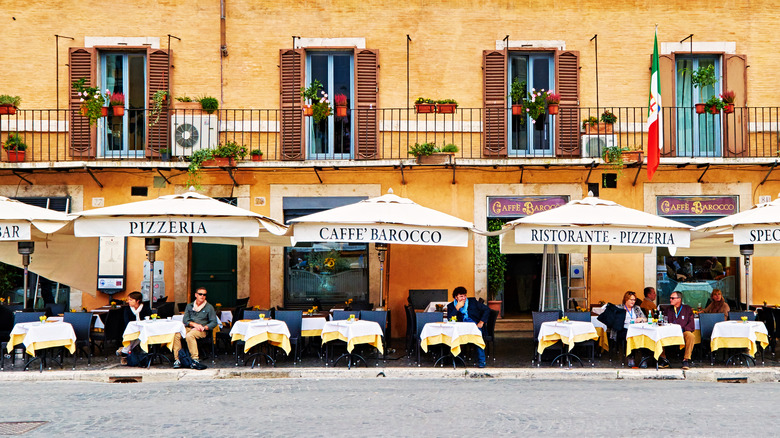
<point x="750" y="375"/>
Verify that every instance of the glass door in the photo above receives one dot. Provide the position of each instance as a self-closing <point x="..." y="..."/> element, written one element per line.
<point x="124" y="136"/>
<point x="331" y="137"/>
<point x="531" y="137"/>
<point x="698" y="135"/>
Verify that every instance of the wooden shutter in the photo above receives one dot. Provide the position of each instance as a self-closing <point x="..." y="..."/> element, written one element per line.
<point x="736" y="131"/>
<point x="666" y="69"/>
<point x="291" y="71"/>
<point x="567" y="79"/>
<point x="158" y="76"/>
<point x="495" y="101"/>
<point x="83" y="137"/>
<point x="367" y="88"/>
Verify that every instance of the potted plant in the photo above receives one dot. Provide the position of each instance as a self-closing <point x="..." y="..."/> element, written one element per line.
<point x="602" y="125"/>
<point x="159" y="99"/>
<point x="117" y="103"/>
<point x="516" y="94"/>
<point x="714" y="105"/>
<point x="165" y="154"/>
<point x="15" y="148"/>
<point x="315" y="100"/>
<point x="702" y="78"/>
<point x="424" y="105"/>
<point x="553" y="100"/>
<point x="446" y="106"/>
<point x="257" y="155"/>
<point x="197" y="159"/>
<point x="188" y="105"/>
<point x="428" y="153"/>
<point x="496" y="267"/>
<point x="535" y="106"/>
<point x="9" y="104"/>
<point x="92" y="101"/>
<point x="617" y="156"/>
<point x="341" y="105"/>
<point x="728" y="97"/>
<point x="209" y="104"/>
<point x="226" y="154"/>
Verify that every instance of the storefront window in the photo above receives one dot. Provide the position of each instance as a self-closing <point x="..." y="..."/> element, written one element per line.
<point x="696" y="277"/>
<point x="326" y="273"/>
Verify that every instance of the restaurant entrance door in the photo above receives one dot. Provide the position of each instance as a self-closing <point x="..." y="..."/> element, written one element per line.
<point x="522" y="283"/>
<point x="214" y="267"/>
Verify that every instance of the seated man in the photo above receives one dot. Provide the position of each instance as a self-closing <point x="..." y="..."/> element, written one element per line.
<point x="199" y="317"/>
<point x="648" y="303"/>
<point x="469" y="310"/>
<point x="682" y="314"/>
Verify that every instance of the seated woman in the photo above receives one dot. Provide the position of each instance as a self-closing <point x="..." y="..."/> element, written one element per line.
<point x="135" y="311"/>
<point x="634" y="314"/>
<point x="718" y="304"/>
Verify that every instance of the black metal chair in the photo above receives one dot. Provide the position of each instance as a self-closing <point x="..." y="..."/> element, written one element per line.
<point x="210" y="344"/>
<point x="6" y="326"/>
<point x="165" y="310"/>
<point x="421" y="319"/>
<point x="82" y="326"/>
<point x="707" y="322"/>
<point x="539" y="318"/>
<point x="255" y="314"/>
<point x="411" y="326"/>
<point x="243" y="302"/>
<point x="736" y="316"/>
<point x="53" y="309"/>
<point x="294" y="321"/>
<point x="379" y="317"/>
<point x="160" y="301"/>
<point x="181" y="306"/>
<point x="114" y="323"/>
<point x="490" y="334"/>
<point x="767" y="316"/>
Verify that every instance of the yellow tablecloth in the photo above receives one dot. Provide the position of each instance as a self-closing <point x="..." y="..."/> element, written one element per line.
<point x="38" y="336"/>
<point x="254" y="332"/>
<point x="601" y="330"/>
<point x="452" y="334"/>
<point x="567" y="332"/>
<point x="150" y="332"/>
<point x="738" y="334"/>
<point x="353" y="333"/>
<point x="653" y="337"/>
<point x="312" y="327"/>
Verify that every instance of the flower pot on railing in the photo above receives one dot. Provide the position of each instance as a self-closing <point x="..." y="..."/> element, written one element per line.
<point x="552" y="109"/>
<point x="436" y="158"/>
<point x="118" y="110"/>
<point x="517" y="110"/>
<point x="341" y="111"/>
<point x="103" y="111"/>
<point x="729" y="108"/>
<point x="189" y="108"/>
<point x="446" y="108"/>
<point x="700" y="108"/>
<point x="599" y="128"/>
<point x="7" y="109"/>
<point x="219" y="162"/>
<point x="16" y="156"/>
<point x="714" y="110"/>
<point x="425" y="108"/>
<point x="632" y="156"/>
<point x="308" y="111"/>
<point x="257" y="158"/>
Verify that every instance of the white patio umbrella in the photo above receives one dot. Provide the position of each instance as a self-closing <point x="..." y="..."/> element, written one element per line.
<point x="384" y="220"/>
<point x="188" y="217"/>
<point x="45" y="239"/>
<point x="593" y="225"/>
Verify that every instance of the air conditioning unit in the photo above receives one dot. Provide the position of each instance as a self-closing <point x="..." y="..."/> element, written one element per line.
<point x="190" y="133"/>
<point x="593" y="146"/>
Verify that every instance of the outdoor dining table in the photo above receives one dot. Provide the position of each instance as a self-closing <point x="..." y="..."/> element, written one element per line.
<point x="37" y="336"/>
<point x="653" y="337"/>
<point x="569" y="333"/>
<point x="739" y="334"/>
<point x="353" y="333"/>
<point x="601" y="330"/>
<point x="311" y="326"/>
<point x="452" y="334"/>
<point x="257" y="331"/>
<point x="153" y="332"/>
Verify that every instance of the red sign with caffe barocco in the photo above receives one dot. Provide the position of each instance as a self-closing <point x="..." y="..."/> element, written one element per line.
<point x="697" y="205"/>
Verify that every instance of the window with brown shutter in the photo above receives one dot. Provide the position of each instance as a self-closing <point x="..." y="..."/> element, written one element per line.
<point x="158" y="76"/>
<point x="83" y="137"/>
<point x="736" y="129"/>
<point x="666" y="65"/>
<point x="367" y="87"/>
<point x="567" y="84"/>
<point x="291" y="74"/>
<point x="495" y="101"/>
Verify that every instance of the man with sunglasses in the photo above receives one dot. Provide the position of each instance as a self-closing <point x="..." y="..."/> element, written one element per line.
<point x="199" y="317"/>
<point x="682" y="314"/>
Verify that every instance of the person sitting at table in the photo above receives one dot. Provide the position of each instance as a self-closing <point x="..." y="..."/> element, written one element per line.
<point x="682" y="314"/>
<point x="469" y="310"/>
<point x="134" y="311"/>
<point x="199" y="317"/>
<point x="718" y="304"/>
<point x="648" y="304"/>
<point x="634" y="314"/>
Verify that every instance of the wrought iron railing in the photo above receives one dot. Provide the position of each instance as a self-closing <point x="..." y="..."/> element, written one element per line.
<point x="60" y="135"/>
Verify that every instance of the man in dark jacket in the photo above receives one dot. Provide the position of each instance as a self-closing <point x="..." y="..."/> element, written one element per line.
<point x="682" y="314"/>
<point x="469" y="310"/>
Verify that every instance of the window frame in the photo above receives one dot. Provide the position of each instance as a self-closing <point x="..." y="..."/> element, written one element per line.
<point x="550" y="130"/>
<point x="309" y="122"/>
<point x="714" y="122"/>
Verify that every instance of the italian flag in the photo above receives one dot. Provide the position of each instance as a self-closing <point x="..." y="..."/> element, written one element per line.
<point x="655" y="140"/>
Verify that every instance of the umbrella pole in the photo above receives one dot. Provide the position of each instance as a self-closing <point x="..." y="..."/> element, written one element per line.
<point x="544" y="280"/>
<point x="557" y="274"/>
<point x="25" y="280"/>
<point x="587" y="279"/>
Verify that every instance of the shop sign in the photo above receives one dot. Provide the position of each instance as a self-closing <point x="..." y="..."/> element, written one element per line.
<point x="697" y="205"/>
<point x="15" y="231"/>
<point x="616" y="236"/>
<point x="405" y="234"/>
<point x="522" y="206"/>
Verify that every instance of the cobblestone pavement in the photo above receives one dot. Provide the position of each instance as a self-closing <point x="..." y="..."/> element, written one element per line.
<point x="391" y="407"/>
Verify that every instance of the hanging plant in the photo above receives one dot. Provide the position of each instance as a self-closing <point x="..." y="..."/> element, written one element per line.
<point x="92" y="100"/>
<point x="496" y="262"/>
<point x="159" y="98"/>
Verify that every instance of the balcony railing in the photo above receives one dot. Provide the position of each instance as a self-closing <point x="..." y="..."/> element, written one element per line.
<point x="752" y="132"/>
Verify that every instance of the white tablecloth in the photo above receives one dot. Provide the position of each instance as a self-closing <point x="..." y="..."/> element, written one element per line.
<point x="226" y="316"/>
<point x="432" y="306"/>
<point x="312" y="326"/>
<point x="453" y="334"/>
<point x="37" y="335"/>
<point x="356" y="332"/>
<point x="159" y="331"/>
<point x="255" y="331"/>
<point x="654" y="337"/>
<point x="569" y="333"/>
<point x="738" y="334"/>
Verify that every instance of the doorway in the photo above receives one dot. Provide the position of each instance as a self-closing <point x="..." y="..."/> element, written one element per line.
<point x="214" y="267"/>
<point x="522" y="284"/>
<point x="124" y="136"/>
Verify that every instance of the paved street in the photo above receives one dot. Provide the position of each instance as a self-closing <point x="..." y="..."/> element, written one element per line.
<point x="391" y="407"/>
